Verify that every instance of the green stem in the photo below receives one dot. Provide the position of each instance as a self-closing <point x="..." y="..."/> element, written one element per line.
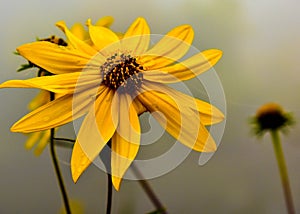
<point x="58" y="173"/>
<point x="56" y="167"/>
<point x="148" y="190"/>
<point x="283" y="171"/>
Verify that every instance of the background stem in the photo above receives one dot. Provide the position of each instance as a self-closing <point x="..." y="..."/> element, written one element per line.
<point x="148" y="190"/>
<point x="283" y="171"/>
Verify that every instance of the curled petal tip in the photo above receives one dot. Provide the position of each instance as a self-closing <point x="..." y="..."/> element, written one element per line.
<point x="88" y="22"/>
<point x="62" y="25"/>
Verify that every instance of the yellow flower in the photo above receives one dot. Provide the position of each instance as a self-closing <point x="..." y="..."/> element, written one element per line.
<point x="41" y="139"/>
<point x="113" y="82"/>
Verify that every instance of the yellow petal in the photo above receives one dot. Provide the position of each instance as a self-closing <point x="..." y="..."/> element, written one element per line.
<point x="75" y="42"/>
<point x="182" y="122"/>
<point x="105" y="21"/>
<point x="185" y="70"/>
<point x="139" y="107"/>
<point x="32" y="139"/>
<point x="53" y="58"/>
<point x="137" y="37"/>
<point x="63" y="83"/>
<point x="75" y="206"/>
<point x="55" y="113"/>
<point x="102" y="37"/>
<point x="208" y="113"/>
<point x="126" y="140"/>
<point x="170" y="48"/>
<point x="43" y="142"/>
<point x="40" y="99"/>
<point x="96" y="129"/>
<point x="78" y="30"/>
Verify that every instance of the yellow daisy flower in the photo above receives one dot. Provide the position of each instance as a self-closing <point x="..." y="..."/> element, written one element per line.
<point x="112" y="84"/>
<point x="41" y="139"/>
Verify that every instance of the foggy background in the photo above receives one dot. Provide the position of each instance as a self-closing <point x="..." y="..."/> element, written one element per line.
<point x="261" y="45"/>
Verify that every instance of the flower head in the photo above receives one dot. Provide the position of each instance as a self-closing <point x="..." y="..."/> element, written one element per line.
<point x="112" y="82"/>
<point x="270" y="117"/>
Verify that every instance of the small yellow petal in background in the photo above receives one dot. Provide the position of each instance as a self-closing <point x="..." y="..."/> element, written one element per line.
<point x="137" y="37"/>
<point x="102" y="37"/>
<point x="170" y="48"/>
<point x="78" y="30"/>
<point x="97" y="128"/>
<point x="126" y="140"/>
<point x="32" y="139"/>
<point x="105" y="21"/>
<point x="76" y="207"/>
<point x="40" y="99"/>
<point x="43" y="142"/>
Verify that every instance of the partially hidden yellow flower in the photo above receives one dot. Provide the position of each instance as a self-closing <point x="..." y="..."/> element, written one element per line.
<point x="114" y="81"/>
<point x="41" y="138"/>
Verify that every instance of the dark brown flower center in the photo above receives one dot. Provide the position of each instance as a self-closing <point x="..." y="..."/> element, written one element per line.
<point x="121" y="72"/>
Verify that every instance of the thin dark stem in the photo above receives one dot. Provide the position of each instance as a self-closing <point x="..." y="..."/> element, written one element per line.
<point x="105" y="156"/>
<point x="283" y="172"/>
<point x="64" y="142"/>
<point x="109" y="194"/>
<point x="56" y="167"/>
<point x="148" y="190"/>
<point x="64" y="139"/>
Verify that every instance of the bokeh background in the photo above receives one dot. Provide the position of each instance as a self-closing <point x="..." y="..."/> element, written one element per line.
<point x="261" y="45"/>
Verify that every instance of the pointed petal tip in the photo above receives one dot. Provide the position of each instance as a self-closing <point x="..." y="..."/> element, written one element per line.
<point x="116" y="182"/>
<point x="141" y="19"/>
<point x="105" y="21"/>
<point x="75" y="177"/>
<point x="75" y="173"/>
<point x="217" y="116"/>
<point x="88" y="22"/>
<point x="16" y="128"/>
<point x="188" y="28"/>
<point x="218" y="52"/>
<point x="62" y="25"/>
<point x="210" y="146"/>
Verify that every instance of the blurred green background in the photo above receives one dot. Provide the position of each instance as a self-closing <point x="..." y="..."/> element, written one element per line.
<point x="261" y="45"/>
